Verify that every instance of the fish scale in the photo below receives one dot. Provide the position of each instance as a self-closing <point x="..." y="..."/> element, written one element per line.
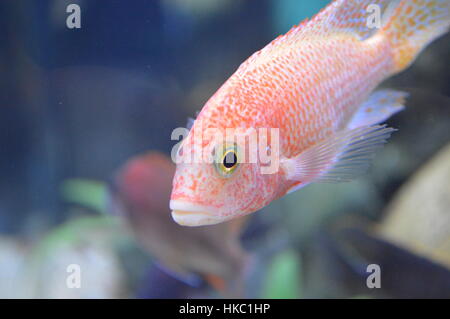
<point x="313" y="98"/>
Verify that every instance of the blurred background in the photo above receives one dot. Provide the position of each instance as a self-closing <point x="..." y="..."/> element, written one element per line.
<point x="85" y="122"/>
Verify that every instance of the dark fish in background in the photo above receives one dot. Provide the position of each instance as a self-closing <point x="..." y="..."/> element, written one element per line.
<point x="335" y="265"/>
<point x="404" y="274"/>
<point x="141" y="195"/>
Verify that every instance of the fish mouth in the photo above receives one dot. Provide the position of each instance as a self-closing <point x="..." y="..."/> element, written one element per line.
<point x="188" y="214"/>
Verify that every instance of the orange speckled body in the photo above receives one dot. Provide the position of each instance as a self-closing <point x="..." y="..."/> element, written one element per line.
<point x="309" y="99"/>
<point x="308" y="83"/>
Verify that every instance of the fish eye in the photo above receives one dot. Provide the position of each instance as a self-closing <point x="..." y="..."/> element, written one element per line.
<point x="227" y="161"/>
<point x="230" y="160"/>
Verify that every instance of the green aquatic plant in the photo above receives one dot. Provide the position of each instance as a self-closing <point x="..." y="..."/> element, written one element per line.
<point x="283" y="280"/>
<point x="88" y="193"/>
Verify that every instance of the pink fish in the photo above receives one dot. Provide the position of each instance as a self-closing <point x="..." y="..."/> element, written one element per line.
<point x="315" y="87"/>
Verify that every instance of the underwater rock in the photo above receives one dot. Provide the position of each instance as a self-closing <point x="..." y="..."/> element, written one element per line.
<point x="418" y="218"/>
<point x="77" y="260"/>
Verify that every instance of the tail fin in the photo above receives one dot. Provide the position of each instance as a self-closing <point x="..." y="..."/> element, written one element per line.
<point x="413" y="25"/>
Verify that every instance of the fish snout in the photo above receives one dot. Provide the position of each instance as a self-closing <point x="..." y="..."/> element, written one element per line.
<point x="188" y="214"/>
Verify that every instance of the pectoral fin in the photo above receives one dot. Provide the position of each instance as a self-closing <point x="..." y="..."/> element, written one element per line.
<point x="339" y="158"/>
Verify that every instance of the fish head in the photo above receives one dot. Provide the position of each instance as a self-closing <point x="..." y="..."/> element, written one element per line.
<point x="216" y="180"/>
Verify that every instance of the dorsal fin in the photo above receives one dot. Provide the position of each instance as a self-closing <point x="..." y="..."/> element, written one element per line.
<point x="353" y="17"/>
<point x="339" y="17"/>
<point x="190" y="123"/>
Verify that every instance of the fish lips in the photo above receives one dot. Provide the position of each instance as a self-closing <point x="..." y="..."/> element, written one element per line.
<point x="188" y="214"/>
